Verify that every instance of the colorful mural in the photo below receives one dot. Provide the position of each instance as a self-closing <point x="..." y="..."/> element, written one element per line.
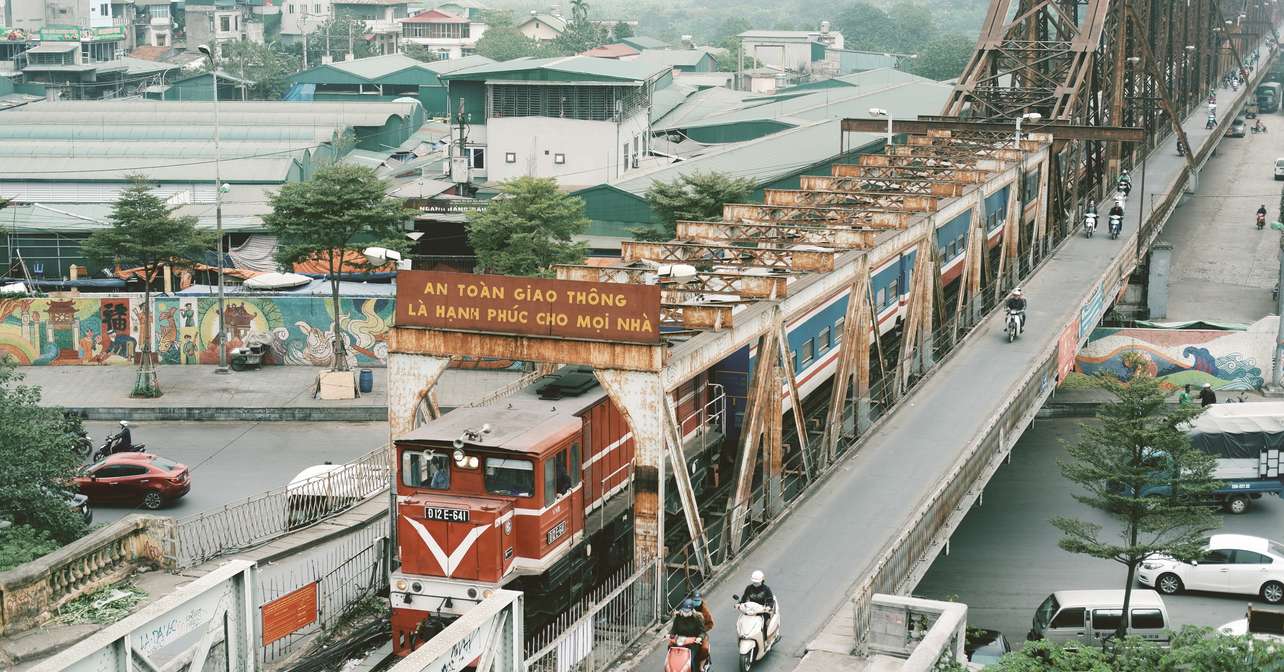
<point x="106" y="330"/>
<point x="1228" y="360"/>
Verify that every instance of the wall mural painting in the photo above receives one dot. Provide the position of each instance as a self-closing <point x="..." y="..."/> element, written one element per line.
<point x="1227" y="360"/>
<point x="105" y="330"/>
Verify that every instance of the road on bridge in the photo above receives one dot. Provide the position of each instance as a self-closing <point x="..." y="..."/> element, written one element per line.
<point x="833" y="537"/>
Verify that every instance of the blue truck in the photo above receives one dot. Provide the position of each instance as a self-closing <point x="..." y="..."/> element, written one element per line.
<point x="1246" y="439"/>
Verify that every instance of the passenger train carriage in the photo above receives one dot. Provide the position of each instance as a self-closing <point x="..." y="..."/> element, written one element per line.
<point x="531" y="492"/>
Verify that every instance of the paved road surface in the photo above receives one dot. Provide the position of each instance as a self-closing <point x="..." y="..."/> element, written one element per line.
<point x="1004" y="558"/>
<point x="817" y="554"/>
<point x="232" y="460"/>
<point x="1223" y="268"/>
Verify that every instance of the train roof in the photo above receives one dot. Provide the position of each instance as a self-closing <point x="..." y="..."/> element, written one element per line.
<point x="527" y="422"/>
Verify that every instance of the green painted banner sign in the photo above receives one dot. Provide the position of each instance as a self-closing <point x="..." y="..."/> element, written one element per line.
<point x="104" y="34"/>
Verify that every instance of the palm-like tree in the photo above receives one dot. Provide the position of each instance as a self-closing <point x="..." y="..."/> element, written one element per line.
<point x="579" y="11"/>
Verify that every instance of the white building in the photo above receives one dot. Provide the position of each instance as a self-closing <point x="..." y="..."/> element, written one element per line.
<point x="576" y="119"/>
<point x="543" y="26"/>
<point x="793" y="50"/>
<point x="447" y="35"/>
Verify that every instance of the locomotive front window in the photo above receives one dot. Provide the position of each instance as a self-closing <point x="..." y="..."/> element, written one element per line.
<point x="425" y="470"/>
<point x="557" y="479"/>
<point x="515" y="478"/>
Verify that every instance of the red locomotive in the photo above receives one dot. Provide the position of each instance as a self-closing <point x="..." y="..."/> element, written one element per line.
<point x="529" y="493"/>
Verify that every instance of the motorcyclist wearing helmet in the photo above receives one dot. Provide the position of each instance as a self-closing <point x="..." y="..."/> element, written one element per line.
<point x="688" y="621"/>
<point x="758" y="593"/>
<point x="1016" y="304"/>
<point x="124" y="442"/>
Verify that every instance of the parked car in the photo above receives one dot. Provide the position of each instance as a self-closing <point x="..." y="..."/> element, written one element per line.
<point x="126" y="478"/>
<point x="1279" y="169"/>
<point x="1238" y="128"/>
<point x="1232" y="563"/>
<point x="984" y="647"/>
<point x="1263" y="623"/>
<point x="1092" y="616"/>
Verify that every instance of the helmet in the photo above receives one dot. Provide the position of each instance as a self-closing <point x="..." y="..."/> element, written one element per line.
<point x="696" y="600"/>
<point x="757" y="577"/>
<point x="1016" y="292"/>
<point x="1207" y="386"/>
<point x="686" y="609"/>
<point x="123" y="423"/>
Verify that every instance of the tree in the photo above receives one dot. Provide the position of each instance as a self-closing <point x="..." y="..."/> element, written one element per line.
<point x="913" y="26"/>
<point x="865" y="26"/>
<point x="419" y="52"/>
<point x="146" y="235"/>
<point x="944" y="57"/>
<point x="265" y="66"/>
<point x="527" y="228"/>
<point x="621" y="30"/>
<point x="694" y="197"/>
<point x="1139" y="445"/>
<point x="579" y="11"/>
<point x="36" y="449"/>
<point x="1191" y="649"/>
<point x="318" y="220"/>
<point x="504" y="43"/>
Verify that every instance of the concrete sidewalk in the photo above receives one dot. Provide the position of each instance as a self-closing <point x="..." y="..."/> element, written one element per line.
<point x="191" y="392"/>
<point x="1084" y="402"/>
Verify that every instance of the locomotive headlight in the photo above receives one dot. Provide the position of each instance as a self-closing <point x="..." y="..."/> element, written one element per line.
<point x="416" y="587"/>
<point x="487" y="593"/>
<point x="508" y="527"/>
<point x="400" y="585"/>
<point x="472" y="593"/>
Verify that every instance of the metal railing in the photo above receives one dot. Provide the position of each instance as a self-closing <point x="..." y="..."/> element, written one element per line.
<point x="604" y="625"/>
<point x="262" y="518"/>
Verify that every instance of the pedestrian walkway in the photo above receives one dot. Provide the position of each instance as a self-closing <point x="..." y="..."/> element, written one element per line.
<point x="272" y="393"/>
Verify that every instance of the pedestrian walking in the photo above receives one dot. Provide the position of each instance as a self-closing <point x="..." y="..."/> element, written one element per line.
<point x="1183" y="399"/>
<point x="1206" y="396"/>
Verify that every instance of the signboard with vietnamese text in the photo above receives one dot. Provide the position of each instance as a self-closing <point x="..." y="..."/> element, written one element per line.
<point x="288" y="613"/>
<point x="501" y="304"/>
<point x="103" y="34"/>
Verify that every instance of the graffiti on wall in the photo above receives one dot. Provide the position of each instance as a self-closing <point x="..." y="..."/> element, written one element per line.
<point x="1227" y="360"/>
<point x="106" y="330"/>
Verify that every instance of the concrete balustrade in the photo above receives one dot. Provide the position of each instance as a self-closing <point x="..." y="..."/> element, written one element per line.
<point x="32" y="592"/>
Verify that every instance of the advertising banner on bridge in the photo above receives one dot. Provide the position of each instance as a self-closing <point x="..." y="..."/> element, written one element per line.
<point x="501" y="304"/>
<point x="1067" y="348"/>
<point x="1091" y="311"/>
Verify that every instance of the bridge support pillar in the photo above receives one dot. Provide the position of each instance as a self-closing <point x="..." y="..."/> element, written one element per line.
<point x="1161" y="255"/>
<point x="412" y="390"/>
<point x="1192" y="185"/>
<point x="639" y="397"/>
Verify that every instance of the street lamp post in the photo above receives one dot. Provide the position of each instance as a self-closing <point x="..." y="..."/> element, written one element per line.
<point x="1028" y="116"/>
<point x="880" y="112"/>
<point x="218" y="207"/>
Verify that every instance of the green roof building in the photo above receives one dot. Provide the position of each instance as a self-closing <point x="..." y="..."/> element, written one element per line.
<point x="384" y="78"/>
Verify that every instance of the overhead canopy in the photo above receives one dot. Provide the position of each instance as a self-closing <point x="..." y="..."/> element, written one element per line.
<point x="1239" y="430"/>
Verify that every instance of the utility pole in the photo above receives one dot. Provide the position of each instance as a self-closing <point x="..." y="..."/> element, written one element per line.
<point x="1277" y="376"/>
<point x="212" y="55"/>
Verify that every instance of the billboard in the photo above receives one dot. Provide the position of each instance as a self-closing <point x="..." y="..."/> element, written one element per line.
<point x="501" y="304"/>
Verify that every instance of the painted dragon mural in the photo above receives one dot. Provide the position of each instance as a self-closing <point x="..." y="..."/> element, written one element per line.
<point x="1227" y="360"/>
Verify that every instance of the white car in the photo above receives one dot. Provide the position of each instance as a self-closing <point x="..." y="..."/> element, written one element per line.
<point x="1279" y="169"/>
<point x="1232" y="563"/>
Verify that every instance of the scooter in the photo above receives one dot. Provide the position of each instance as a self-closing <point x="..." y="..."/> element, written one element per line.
<point x="248" y="356"/>
<point x="681" y="654"/>
<point x="1181" y="148"/>
<point x="109" y="448"/>
<point x="1116" y="225"/>
<point x="1089" y="224"/>
<point x="750" y="631"/>
<point x="1261" y="221"/>
<point x="1211" y="123"/>
<point x="1013" y="325"/>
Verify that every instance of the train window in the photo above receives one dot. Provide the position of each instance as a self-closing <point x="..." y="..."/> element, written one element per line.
<point x="808" y="352"/>
<point x="822" y="340"/>
<point x="425" y="470"/>
<point x="575" y="464"/>
<point x="962" y="245"/>
<point x="881" y="299"/>
<point x="892" y="296"/>
<point x="515" y="478"/>
<point x="838" y="330"/>
<point x="942" y="251"/>
<point x="556" y="479"/>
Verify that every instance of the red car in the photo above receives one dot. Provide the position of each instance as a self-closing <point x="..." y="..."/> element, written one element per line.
<point x="128" y="478"/>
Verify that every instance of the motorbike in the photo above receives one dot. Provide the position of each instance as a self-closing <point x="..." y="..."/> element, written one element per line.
<point x="753" y="646"/>
<point x="1116" y="226"/>
<point x="1181" y="148"/>
<point x="1124" y="188"/>
<point x="1261" y="221"/>
<point x="82" y="445"/>
<point x="248" y="356"/>
<point x="109" y="448"/>
<point x="1013" y="327"/>
<point x="1089" y="224"/>
<point x="1211" y="123"/>
<point x="681" y="656"/>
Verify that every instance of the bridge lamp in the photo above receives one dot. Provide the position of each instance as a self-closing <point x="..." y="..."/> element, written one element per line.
<point x="1028" y="116"/>
<point x="880" y="112"/>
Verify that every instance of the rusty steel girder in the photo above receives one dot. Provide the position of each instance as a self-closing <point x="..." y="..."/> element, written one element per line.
<point x="960" y="163"/>
<point x="957" y="152"/>
<point x="974" y="175"/>
<point x="874" y="186"/>
<point x="865" y="216"/>
<point x="880" y="201"/>
<point x="748" y="285"/>
<point x="821" y="261"/>
<point x="838" y="237"/>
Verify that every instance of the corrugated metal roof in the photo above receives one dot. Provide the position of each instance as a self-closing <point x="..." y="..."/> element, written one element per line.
<point x="375" y="67"/>
<point x="451" y="65"/>
<point x="84" y="149"/>
<point x="796" y="35"/>
<point x="53" y="48"/>
<point x="434" y="16"/>
<point x="231" y="113"/>
<point x="671" y="96"/>
<point x="672" y="57"/>
<point x="618" y="50"/>
<point x="555" y="22"/>
<point x="906" y="99"/>
<point x="644" y="42"/>
<point x="702" y="104"/>
<point x="603" y="68"/>
<point x="168" y="169"/>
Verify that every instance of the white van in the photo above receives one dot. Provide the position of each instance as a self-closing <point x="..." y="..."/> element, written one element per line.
<point x="1091" y="616"/>
<point x="1279" y="169"/>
